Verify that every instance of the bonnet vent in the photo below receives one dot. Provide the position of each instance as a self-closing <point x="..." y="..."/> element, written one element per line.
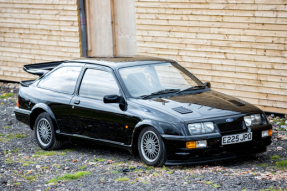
<point x="237" y="103"/>
<point x="182" y="110"/>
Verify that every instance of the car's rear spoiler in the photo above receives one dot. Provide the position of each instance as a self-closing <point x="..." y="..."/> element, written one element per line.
<point x="41" y="68"/>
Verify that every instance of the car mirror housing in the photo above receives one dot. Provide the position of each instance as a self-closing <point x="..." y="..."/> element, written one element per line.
<point x="207" y="84"/>
<point x="111" y="98"/>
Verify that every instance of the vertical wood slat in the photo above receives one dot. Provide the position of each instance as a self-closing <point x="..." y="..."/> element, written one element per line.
<point x="125" y="39"/>
<point x="100" y="28"/>
<point x="111" y="28"/>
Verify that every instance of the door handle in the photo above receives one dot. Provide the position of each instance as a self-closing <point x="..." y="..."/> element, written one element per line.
<point x="76" y="101"/>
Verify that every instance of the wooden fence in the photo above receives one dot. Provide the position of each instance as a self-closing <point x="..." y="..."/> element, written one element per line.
<point x="34" y="31"/>
<point x="237" y="45"/>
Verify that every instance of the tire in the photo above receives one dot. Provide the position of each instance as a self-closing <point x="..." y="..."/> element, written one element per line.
<point x="46" y="138"/>
<point x="153" y="152"/>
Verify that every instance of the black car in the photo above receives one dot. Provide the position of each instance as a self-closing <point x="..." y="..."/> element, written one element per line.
<point x="147" y="105"/>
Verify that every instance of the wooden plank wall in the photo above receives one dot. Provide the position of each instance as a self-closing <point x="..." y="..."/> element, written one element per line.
<point x="237" y="45"/>
<point x="34" y="31"/>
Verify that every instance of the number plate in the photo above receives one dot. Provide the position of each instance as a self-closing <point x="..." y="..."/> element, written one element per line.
<point x="238" y="138"/>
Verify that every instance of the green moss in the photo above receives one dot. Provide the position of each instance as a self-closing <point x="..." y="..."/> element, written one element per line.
<point x="122" y="179"/>
<point x="31" y="178"/>
<point x="81" y="167"/>
<point x="8" y="161"/>
<point x="7" y="127"/>
<point x="28" y="163"/>
<point x="63" y="153"/>
<point x="2" y="135"/>
<point x="45" y="153"/>
<point x="275" y="157"/>
<point x="215" y="186"/>
<point x="115" y="172"/>
<point x="8" y="137"/>
<point x="150" y="168"/>
<point x="68" y="150"/>
<point x="262" y="165"/>
<point x="77" y="175"/>
<point x="18" y="135"/>
<point x="282" y="163"/>
<point x="156" y="174"/>
<point x="6" y="95"/>
<point x="97" y="160"/>
<point x="17" y="183"/>
<point x="164" y="168"/>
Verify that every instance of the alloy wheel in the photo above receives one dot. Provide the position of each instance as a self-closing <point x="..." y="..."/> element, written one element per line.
<point x="44" y="132"/>
<point x="150" y="146"/>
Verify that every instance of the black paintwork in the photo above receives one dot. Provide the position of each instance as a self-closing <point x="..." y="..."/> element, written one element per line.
<point x="78" y="116"/>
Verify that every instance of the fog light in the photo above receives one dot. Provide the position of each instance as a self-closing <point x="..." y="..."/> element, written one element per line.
<point x="201" y="144"/>
<point x="267" y="133"/>
<point x="196" y="144"/>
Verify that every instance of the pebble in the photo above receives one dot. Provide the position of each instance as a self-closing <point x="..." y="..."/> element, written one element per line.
<point x="279" y="148"/>
<point x="38" y="166"/>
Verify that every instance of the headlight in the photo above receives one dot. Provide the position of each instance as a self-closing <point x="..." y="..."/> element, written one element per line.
<point x="201" y="128"/>
<point x="252" y="120"/>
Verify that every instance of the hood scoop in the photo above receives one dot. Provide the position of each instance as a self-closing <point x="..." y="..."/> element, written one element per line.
<point x="182" y="110"/>
<point x="237" y="103"/>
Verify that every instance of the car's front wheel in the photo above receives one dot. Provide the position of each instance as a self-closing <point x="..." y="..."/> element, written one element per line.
<point x="150" y="147"/>
<point x="45" y="133"/>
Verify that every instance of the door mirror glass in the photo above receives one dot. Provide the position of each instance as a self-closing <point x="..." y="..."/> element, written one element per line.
<point x="207" y="84"/>
<point x="111" y="98"/>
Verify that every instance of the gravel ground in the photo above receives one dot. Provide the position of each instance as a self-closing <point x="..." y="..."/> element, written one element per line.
<point x="24" y="166"/>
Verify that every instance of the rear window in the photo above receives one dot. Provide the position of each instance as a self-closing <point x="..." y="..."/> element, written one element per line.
<point x="63" y="79"/>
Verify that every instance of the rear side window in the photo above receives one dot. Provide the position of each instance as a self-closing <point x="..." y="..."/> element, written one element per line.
<point x="97" y="84"/>
<point x="63" y="79"/>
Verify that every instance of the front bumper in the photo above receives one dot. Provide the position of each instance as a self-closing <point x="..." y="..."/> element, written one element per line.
<point x="178" y="154"/>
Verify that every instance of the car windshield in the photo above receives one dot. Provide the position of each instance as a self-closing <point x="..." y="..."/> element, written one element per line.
<point x="161" y="78"/>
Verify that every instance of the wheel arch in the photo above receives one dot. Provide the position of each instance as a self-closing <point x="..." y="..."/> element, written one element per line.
<point x="37" y="110"/>
<point x="163" y="128"/>
<point x="138" y="128"/>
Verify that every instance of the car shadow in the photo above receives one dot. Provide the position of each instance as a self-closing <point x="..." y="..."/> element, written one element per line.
<point x="108" y="152"/>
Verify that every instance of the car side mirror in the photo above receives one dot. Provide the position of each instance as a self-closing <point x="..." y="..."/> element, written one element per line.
<point x="207" y="84"/>
<point x="111" y="98"/>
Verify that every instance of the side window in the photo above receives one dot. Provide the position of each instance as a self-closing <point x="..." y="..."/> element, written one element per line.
<point x="97" y="84"/>
<point x="63" y="79"/>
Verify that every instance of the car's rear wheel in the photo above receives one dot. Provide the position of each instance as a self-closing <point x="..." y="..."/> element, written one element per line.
<point x="45" y="133"/>
<point x="150" y="147"/>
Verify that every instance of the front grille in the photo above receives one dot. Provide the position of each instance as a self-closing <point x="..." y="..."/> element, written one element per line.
<point x="225" y="127"/>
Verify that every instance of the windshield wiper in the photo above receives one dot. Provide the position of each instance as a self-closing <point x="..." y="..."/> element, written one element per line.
<point x="160" y="92"/>
<point x="191" y="88"/>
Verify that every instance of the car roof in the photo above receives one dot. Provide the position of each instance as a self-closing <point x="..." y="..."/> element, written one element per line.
<point x="118" y="62"/>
